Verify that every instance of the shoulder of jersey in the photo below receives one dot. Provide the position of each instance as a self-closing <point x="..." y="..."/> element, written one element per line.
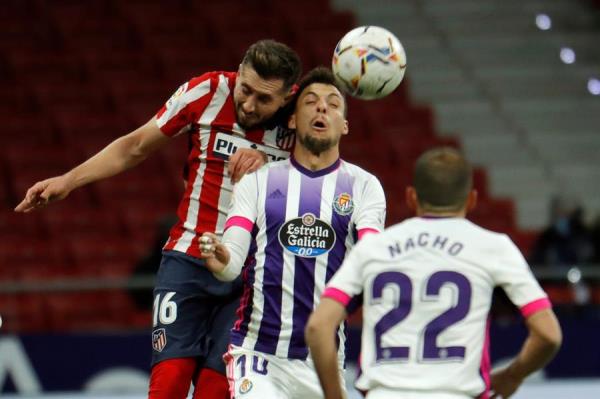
<point x="357" y="170"/>
<point x="213" y="76"/>
<point x="483" y="230"/>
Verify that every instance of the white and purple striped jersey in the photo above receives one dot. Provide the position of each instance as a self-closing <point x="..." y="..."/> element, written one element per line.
<point x="427" y="288"/>
<point x="302" y="225"/>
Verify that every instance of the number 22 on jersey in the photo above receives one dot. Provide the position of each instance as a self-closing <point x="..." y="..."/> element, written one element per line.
<point x="404" y="305"/>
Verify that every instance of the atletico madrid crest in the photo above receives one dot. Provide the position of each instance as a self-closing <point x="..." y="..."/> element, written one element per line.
<point x="159" y="339"/>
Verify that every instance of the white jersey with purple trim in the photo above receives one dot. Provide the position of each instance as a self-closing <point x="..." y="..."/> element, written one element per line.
<point x="302" y="224"/>
<point x="427" y="288"/>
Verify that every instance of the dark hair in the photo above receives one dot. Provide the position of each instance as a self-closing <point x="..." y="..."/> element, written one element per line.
<point x="273" y="60"/>
<point x="443" y="179"/>
<point x="319" y="74"/>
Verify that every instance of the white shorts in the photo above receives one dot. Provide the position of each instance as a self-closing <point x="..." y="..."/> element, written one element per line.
<point x="386" y="393"/>
<point x="256" y="375"/>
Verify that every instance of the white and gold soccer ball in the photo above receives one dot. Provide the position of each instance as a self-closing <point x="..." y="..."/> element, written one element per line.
<point x="369" y="62"/>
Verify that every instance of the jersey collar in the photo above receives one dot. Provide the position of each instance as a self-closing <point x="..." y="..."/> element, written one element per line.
<point x="315" y="173"/>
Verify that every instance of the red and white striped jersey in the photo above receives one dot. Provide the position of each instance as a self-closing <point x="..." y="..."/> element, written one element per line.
<point x="204" y="109"/>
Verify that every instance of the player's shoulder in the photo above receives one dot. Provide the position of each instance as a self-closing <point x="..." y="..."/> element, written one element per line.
<point x="263" y="172"/>
<point x="490" y="235"/>
<point x="212" y="79"/>
<point x="358" y="172"/>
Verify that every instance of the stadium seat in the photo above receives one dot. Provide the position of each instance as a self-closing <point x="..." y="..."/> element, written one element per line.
<point x="25" y="226"/>
<point x="33" y="67"/>
<point x="72" y="98"/>
<point x="84" y="222"/>
<point x="28" y="129"/>
<point x="92" y="254"/>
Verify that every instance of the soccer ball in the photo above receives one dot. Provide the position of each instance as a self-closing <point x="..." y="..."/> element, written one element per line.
<point x="369" y="62"/>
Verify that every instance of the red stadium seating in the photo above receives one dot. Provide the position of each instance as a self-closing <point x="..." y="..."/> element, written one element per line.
<point x="73" y="84"/>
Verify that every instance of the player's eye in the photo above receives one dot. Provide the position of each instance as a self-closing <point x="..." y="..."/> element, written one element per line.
<point x="265" y="100"/>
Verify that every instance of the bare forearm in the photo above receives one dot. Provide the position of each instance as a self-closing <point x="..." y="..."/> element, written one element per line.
<point x="534" y="355"/>
<point x="111" y="160"/>
<point x="324" y="354"/>
<point x="543" y="342"/>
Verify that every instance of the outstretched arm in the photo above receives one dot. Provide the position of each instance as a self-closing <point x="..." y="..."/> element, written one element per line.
<point x="543" y="342"/>
<point x="120" y="155"/>
<point x="320" y="337"/>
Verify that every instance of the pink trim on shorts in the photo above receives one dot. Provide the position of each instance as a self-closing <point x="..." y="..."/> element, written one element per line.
<point x="239" y="221"/>
<point x="367" y="230"/>
<point x="535" y="306"/>
<point x="337" y="295"/>
<point x="486" y="364"/>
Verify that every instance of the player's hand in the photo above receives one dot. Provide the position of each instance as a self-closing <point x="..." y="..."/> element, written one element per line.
<point x="44" y="192"/>
<point x="214" y="253"/>
<point x="504" y="384"/>
<point x="245" y="160"/>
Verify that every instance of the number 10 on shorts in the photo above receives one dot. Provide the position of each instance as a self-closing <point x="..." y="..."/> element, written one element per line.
<point x="259" y="365"/>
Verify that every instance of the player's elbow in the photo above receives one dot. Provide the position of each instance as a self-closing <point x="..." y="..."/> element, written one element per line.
<point x="547" y="331"/>
<point x="313" y="329"/>
<point x="552" y="338"/>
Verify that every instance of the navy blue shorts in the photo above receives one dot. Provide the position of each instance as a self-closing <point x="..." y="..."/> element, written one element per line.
<point x="193" y="312"/>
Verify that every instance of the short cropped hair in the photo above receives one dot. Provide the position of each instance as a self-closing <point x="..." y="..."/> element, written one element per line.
<point x="443" y="179"/>
<point x="274" y="60"/>
<point x="322" y="75"/>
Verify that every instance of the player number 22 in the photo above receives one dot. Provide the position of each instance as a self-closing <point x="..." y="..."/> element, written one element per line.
<point x="435" y="327"/>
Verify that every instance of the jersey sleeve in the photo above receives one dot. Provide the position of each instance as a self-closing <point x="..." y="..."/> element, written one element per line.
<point x="514" y="275"/>
<point x="370" y="215"/>
<point x="347" y="283"/>
<point x="185" y="105"/>
<point x="243" y="210"/>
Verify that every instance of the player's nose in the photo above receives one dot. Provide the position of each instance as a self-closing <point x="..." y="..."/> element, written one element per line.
<point x="321" y="105"/>
<point x="248" y="106"/>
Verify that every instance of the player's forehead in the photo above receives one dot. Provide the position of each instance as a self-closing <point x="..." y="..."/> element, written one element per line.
<point x="250" y="78"/>
<point x="321" y="90"/>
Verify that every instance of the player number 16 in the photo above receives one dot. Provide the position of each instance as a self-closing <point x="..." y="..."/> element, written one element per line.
<point x="165" y="310"/>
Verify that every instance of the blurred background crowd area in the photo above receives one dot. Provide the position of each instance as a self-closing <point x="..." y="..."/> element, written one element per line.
<point x="512" y="83"/>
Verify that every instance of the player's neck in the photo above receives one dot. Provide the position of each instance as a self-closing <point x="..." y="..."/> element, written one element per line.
<point x="427" y="213"/>
<point x="314" y="162"/>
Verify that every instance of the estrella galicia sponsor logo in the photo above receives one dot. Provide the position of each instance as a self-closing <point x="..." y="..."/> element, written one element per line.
<point x="307" y="236"/>
<point x="159" y="339"/>
<point x="245" y="386"/>
<point x="343" y="204"/>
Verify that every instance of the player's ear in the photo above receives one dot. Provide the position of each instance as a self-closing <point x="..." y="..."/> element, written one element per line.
<point x="471" y="200"/>
<point x="411" y="199"/>
<point x="291" y="93"/>
<point x="346" y="127"/>
<point x="292" y="121"/>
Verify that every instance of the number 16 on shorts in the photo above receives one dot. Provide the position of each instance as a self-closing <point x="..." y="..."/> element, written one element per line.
<point x="164" y="310"/>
